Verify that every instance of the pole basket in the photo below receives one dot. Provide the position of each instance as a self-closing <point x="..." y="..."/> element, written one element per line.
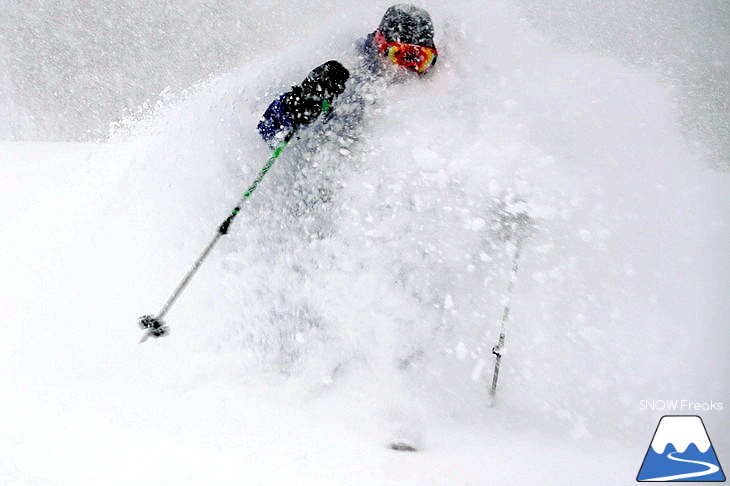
<point x="155" y="327"/>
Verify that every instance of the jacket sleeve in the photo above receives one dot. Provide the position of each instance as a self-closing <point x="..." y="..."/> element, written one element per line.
<point x="275" y="120"/>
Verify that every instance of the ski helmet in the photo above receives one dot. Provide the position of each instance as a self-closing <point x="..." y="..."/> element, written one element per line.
<point x="408" y="24"/>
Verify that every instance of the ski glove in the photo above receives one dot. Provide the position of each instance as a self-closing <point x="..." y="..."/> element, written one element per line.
<point x="304" y="103"/>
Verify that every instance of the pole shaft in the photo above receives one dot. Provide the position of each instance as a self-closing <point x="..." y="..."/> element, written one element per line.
<point x="223" y="228"/>
<point x="189" y="276"/>
<point x="497" y="350"/>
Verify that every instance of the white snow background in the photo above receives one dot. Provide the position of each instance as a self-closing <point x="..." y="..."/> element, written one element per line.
<point x="622" y="293"/>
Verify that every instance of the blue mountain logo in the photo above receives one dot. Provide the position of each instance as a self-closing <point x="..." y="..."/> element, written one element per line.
<point x="681" y="451"/>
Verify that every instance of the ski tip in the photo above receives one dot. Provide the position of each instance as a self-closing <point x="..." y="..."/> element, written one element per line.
<point x="403" y="446"/>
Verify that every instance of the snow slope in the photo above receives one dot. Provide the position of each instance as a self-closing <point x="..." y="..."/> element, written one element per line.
<point x="394" y="283"/>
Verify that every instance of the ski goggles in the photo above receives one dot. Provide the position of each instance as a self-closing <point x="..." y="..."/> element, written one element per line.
<point x="410" y="56"/>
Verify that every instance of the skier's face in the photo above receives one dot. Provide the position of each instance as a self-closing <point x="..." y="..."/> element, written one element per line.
<point x="414" y="58"/>
<point x="411" y="57"/>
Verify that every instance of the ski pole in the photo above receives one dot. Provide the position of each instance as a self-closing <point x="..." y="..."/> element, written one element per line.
<point x="154" y="325"/>
<point x="497" y="350"/>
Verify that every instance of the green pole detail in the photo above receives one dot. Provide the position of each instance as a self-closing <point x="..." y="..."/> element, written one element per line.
<point x="275" y="155"/>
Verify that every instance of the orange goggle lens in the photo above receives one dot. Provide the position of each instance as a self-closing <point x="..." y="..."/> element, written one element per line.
<point x="413" y="57"/>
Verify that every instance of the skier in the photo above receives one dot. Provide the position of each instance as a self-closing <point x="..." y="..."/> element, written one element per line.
<point x="401" y="47"/>
<point x="403" y="39"/>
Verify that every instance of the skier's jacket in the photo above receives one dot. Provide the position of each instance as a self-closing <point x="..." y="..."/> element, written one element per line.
<point x="275" y="119"/>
